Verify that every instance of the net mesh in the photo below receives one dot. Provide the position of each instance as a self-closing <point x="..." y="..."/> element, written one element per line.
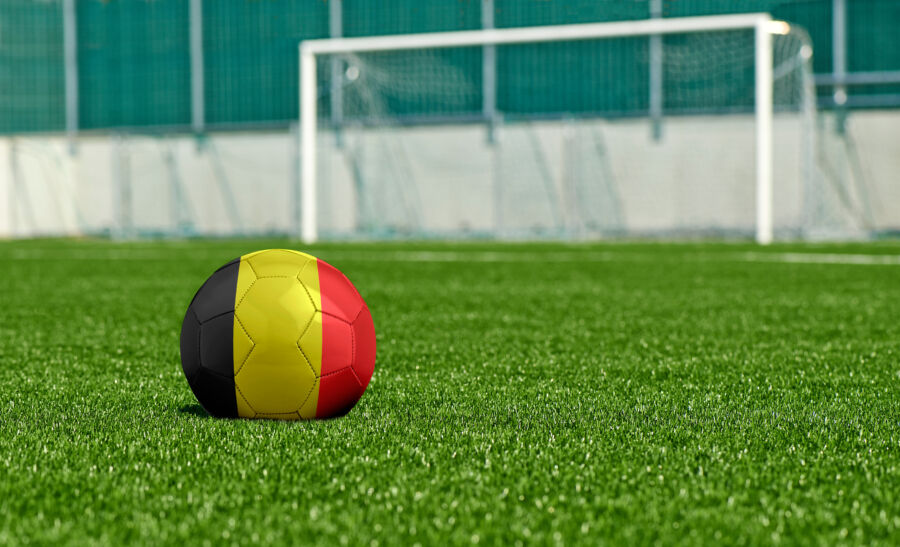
<point x="407" y="145"/>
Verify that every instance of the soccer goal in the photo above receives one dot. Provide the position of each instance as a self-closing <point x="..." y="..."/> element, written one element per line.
<point x="661" y="127"/>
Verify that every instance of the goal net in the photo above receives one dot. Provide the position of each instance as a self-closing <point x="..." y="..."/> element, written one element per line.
<point x="660" y="128"/>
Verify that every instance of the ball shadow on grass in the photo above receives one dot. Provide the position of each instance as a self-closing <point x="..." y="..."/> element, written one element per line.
<point x="198" y="411"/>
<point x="195" y="410"/>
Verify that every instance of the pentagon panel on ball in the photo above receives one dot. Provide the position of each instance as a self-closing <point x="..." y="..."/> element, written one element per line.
<point x="278" y="334"/>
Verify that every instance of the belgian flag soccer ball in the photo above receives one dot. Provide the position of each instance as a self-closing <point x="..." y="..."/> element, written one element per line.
<point x="278" y="334"/>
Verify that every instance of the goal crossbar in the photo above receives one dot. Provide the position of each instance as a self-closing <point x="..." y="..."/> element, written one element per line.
<point x="762" y="23"/>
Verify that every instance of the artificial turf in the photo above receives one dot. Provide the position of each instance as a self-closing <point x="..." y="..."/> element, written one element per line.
<point x="540" y="393"/>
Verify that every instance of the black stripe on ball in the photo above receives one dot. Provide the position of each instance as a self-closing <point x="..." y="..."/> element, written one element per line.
<point x="206" y="342"/>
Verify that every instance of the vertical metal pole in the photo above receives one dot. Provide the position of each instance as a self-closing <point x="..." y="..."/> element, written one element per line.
<point x="808" y="137"/>
<point x="13" y="194"/>
<point x="656" y="73"/>
<point x="226" y="189"/>
<point x="489" y="111"/>
<point x="121" y="171"/>
<point x="29" y="225"/>
<point x="70" y="55"/>
<point x="572" y="224"/>
<point x="489" y="72"/>
<point x="839" y="59"/>
<point x="174" y="190"/>
<point x="182" y="219"/>
<point x="198" y="99"/>
<point x="336" y="30"/>
<point x="497" y="173"/>
<point x="764" y="169"/>
<point x="296" y="179"/>
<point x="309" y="225"/>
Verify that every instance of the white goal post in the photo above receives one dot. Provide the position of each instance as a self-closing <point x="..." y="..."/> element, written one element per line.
<point x="761" y="23"/>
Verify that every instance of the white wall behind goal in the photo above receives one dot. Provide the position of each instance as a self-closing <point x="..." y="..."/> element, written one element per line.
<point x="442" y="181"/>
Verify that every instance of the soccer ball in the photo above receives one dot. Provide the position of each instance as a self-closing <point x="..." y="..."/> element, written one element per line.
<point x="278" y="334"/>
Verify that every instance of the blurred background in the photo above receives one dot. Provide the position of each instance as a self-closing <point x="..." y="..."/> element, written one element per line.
<point x="179" y="118"/>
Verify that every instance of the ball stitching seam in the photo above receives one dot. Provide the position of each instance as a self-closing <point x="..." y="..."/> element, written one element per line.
<point x="241" y="393"/>
<point x="252" y="346"/>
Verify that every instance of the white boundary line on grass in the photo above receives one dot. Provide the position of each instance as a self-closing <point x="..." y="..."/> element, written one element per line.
<point x="399" y="255"/>
<point x="825" y="258"/>
<point x="612" y="256"/>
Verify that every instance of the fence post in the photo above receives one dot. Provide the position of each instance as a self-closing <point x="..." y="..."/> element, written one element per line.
<point x="336" y="30"/>
<point x="198" y="99"/>
<point x="296" y="182"/>
<point x="656" y="73"/>
<point x="121" y="173"/>
<point x="489" y="72"/>
<point x="839" y="60"/>
<point x="308" y="122"/>
<point x="13" y="195"/>
<point x="70" y="56"/>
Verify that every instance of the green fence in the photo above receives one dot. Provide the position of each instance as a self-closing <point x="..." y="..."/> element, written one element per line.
<point x="31" y="66"/>
<point x="133" y="63"/>
<point x="134" y="57"/>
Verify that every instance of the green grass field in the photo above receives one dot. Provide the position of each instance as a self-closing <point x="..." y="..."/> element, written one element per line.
<point x="576" y="394"/>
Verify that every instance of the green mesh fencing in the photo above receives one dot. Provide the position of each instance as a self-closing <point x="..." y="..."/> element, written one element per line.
<point x="134" y="67"/>
<point x="373" y="17"/>
<point x="31" y="60"/>
<point x="513" y="13"/>
<point x="440" y="93"/>
<point x="250" y="57"/>
<point x="873" y="41"/>
<point x="134" y="57"/>
<point x="522" y="90"/>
